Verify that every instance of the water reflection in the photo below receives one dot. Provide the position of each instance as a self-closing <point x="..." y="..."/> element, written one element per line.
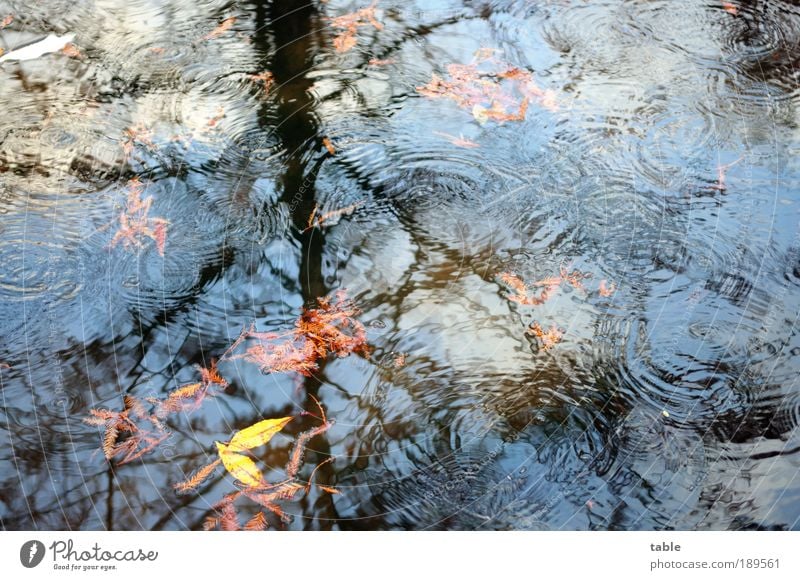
<point x="667" y="169"/>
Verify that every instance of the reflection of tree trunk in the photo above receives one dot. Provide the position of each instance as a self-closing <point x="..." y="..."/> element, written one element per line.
<point x="295" y="29"/>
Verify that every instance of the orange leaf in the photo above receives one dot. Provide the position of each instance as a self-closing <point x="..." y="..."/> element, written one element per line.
<point x="350" y="24"/>
<point x="220" y="114"/>
<point x="344" y="42"/>
<point x="329" y="146"/>
<point x="197" y="477"/>
<point x="381" y="61"/>
<point x="459" y="141"/>
<point x="605" y="290"/>
<point x="266" y="79"/>
<point x="72" y="51"/>
<point x="547" y="338"/>
<point x="257" y="523"/>
<point x="223" y="27"/>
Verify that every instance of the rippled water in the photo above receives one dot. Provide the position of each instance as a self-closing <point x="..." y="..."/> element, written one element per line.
<point x="672" y="403"/>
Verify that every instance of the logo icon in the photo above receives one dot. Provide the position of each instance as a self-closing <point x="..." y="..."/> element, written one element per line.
<point x="31" y="553"/>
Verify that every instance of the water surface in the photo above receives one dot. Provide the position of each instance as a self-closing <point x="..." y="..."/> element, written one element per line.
<point x="671" y="403"/>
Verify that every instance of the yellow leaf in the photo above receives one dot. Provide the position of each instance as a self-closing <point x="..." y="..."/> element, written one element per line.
<point x="240" y="466"/>
<point x="258" y="434"/>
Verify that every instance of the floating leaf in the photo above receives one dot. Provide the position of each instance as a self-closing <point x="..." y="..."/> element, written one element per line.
<point x="218" y="116"/>
<point x="344" y="42"/>
<point x="257" y="523"/>
<point x="228" y="520"/>
<point x="72" y="51"/>
<point x="241" y="467"/>
<point x="138" y="134"/>
<point x="258" y="434"/>
<point x="135" y="224"/>
<point x="459" y="141"/>
<point x="329" y="328"/>
<point x="221" y="29"/>
<point x="317" y="220"/>
<point x="522" y="294"/>
<point x="730" y="8"/>
<point x="197" y="477"/>
<point x="489" y="88"/>
<point x="350" y="23"/>
<point x="722" y="171"/>
<point x="606" y="289"/>
<point x="265" y="79"/>
<point x="135" y="431"/>
<point x="160" y="235"/>
<point x="299" y="449"/>
<point x="381" y="61"/>
<point x="547" y="338"/>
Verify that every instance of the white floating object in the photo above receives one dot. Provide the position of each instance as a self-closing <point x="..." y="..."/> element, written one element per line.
<point x="52" y="43"/>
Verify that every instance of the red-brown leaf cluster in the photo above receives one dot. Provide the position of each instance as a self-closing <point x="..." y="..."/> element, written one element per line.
<point x="722" y="171"/>
<point x="318" y="220"/>
<point x="330" y="328"/>
<point x="606" y="289"/>
<point x="135" y="224"/>
<point x="349" y="25"/>
<point x="490" y="88"/>
<point x="459" y="141"/>
<point x="221" y="29"/>
<point x="129" y="433"/>
<point x="135" y="430"/>
<point x="266" y="495"/>
<point x="138" y="134"/>
<point x="71" y="51"/>
<point x="730" y="8"/>
<point x="264" y="79"/>
<point x="540" y="291"/>
<point x="521" y="293"/>
<point x="547" y="339"/>
<point x="188" y="398"/>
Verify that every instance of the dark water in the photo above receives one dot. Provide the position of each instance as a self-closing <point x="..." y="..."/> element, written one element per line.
<point x="670" y="404"/>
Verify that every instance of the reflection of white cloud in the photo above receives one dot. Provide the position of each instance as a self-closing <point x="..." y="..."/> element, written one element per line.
<point x="51" y="43"/>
